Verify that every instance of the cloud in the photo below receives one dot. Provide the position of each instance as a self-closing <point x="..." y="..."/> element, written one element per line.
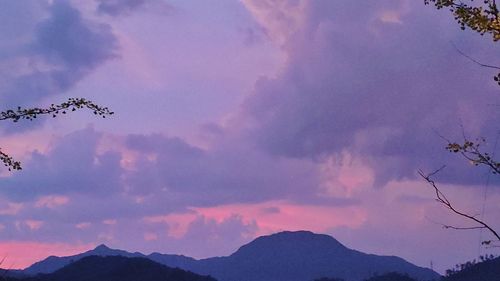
<point x="224" y="236"/>
<point x="33" y="224"/>
<point x="381" y="89"/>
<point x="229" y="173"/>
<point x="51" y="201"/>
<point x="51" y="52"/>
<point x="286" y="215"/>
<point x="164" y="175"/>
<point x="73" y="166"/>
<point x="10" y="208"/>
<point x="126" y="7"/>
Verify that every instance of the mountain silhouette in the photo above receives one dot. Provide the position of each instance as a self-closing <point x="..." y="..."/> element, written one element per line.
<point x="54" y="263"/>
<point x="303" y="255"/>
<point x="118" y="268"/>
<point x="290" y="256"/>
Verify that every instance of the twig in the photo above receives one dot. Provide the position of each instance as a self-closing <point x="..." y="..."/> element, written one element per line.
<point x="472" y="59"/>
<point x="441" y="198"/>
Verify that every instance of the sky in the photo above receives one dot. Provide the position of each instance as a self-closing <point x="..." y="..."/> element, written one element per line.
<point x="235" y="119"/>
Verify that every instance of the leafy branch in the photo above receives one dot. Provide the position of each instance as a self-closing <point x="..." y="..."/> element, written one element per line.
<point x="72" y="104"/>
<point x="482" y="17"/>
<point x="470" y="151"/>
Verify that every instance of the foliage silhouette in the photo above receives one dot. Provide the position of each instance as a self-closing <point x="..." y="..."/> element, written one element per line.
<point x="487" y="268"/>
<point x="482" y="17"/>
<point x="329" y="279"/>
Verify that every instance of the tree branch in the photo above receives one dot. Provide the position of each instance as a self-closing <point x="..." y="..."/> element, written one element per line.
<point x="71" y="105"/>
<point x="441" y="198"/>
<point x="9" y="162"/>
<point x="20" y="113"/>
<point x="474" y="60"/>
<point x="470" y="151"/>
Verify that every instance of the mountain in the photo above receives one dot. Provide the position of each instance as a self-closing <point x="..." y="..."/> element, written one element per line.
<point x="118" y="268"/>
<point x="54" y="263"/>
<point x="172" y="260"/>
<point x="15" y="273"/>
<point x="290" y="256"/>
<point x="303" y="255"/>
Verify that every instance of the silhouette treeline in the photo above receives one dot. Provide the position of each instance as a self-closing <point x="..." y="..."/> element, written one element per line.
<point x="486" y="268"/>
<point x="391" y="276"/>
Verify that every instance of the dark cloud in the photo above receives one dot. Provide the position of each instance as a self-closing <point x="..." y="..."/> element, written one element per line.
<point x="229" y="173"/>
<point x="383" y="84"/>
<point x="72" y="166"/>
<point x="67" y="38"/>
<point x="51" y="54"/>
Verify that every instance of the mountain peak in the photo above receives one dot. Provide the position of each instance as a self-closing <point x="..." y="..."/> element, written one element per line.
<point x="301" y="236"/>
<point x="102" y="250"/>
<point x="102" y="247"/>
<point x="295" y="234"/>
<point x="290" y="243"/>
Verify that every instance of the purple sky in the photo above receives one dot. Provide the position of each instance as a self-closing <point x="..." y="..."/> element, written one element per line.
<point x="236" y="119"/>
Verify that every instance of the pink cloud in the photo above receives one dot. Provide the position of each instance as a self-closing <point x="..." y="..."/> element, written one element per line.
<point x="280" y="19"/>
<point x="51" y="201"/>
<point x="178" y="224"/>
<point x="270" y="216"/>
<point x="20" y="254"/>
<point x="10" y="208"/>
<point x="83" y="225"/>
<point x="33" y="224"/>
<point x="109" y="222"/>
<point x="22" y="145"/>
<point x="149" y="236"/>
<point x="280" y="215"/>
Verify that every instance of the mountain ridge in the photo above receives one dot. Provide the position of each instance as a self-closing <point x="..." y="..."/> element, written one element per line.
<point x="117" y="268"/>
<point x="288" y="255"/>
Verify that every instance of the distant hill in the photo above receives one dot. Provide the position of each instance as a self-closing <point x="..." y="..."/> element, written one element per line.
<point x="484" y="271"/>
<point x="118" y="268"/>
<point x="290" y="256"/>
<point x="54" y="263"/>
<point x="12" y="273"/>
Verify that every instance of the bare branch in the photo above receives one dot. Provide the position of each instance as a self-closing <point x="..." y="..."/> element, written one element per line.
<point x="441" y="198"/>
<point x="474" y="60"/>
<point x="463" y="228"/>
